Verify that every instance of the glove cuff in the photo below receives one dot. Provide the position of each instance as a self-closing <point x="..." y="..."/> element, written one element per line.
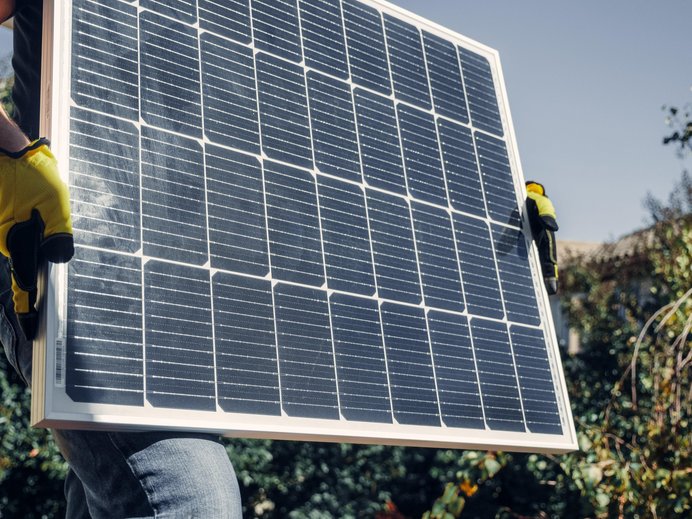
<point x="33" y="146"/>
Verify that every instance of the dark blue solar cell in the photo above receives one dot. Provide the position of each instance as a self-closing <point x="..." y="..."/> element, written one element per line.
<point x="227" y="18"/>
<point x="535" y="380"/>
<point x="396" y="266"/>
<point x="366" y="47"/>
<point x="360" y="363"/>
<point x="182" y="10"/>
<point x="498" y="183"/>
<point x="229" y="93"/>
<point x="174" y="218"/>
<point x="105" y="73"/>
<point x="478" y="270"/>
<point x="246" y="361"/>
<point x="518" y="289"/>
<point x="437" y="257"/>
<point x="294" y="227"/>
<point x="461" y="167"/>
<point x="455" y="370"/>
<point x="306" y="355"/>
<point x="407" y="62"/>
<point x="323" y="36"/>
<point x="499" y="390"/>
<point x="411" y="376"/>
<point x="104" y="181"/>
<point x="481" y="93"/>
<point x="345" y="235"/>
<point x="178" y="337"/>
<point x="104" y="342"/>
<point x="380" y="149"/>
<point x="422" y="155"/>
<point x="235" y="204"/>
<point x="333" y="127"/>
<point x="445" y="78"/>
<point x="283" y="111"/>
<point x="169" y="75"/>
<point x="276" y="28"/>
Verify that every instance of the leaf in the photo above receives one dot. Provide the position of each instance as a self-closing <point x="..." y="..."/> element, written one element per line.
<point x="602" y="499"/>
<point x="468" y="488"/>
<point x="492" y="466"/>
<point x="593" y="475"/>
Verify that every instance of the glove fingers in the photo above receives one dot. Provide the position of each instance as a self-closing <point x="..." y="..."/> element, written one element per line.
<point x="23" y="241"/>
<point x="58" y="248"/>
<point x="25" y="308"/>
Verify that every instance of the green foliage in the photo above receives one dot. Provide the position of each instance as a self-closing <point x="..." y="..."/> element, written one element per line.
<point x="6" y="84"/>
<point x="636" y="458"/>
<point x="305" y="480"/>
<point x="31" y="468"/>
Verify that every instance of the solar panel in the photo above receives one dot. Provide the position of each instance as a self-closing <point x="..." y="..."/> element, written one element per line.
<point x="294" y="219"/>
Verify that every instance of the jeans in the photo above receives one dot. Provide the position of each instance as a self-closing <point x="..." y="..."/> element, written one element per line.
<point x="114" y="475"/>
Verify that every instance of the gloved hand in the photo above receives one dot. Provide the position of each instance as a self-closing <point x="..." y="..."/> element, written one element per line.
<point x="35" y="223"/>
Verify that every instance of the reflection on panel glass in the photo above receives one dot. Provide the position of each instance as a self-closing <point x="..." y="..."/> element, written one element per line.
<point x="104" y="348"/>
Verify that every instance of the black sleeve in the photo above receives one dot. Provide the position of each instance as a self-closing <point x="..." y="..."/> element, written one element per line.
<point x="26" y="62"/>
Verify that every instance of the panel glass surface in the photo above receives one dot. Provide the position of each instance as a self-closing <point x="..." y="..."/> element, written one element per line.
<point x="298" y="209"/>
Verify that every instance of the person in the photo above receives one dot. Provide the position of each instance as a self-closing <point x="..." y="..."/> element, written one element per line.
<point x="544" y="225"/>
<point x="167" y="475"/>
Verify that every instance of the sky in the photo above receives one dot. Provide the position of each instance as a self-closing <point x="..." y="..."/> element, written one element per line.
<point x="586" y="82"/>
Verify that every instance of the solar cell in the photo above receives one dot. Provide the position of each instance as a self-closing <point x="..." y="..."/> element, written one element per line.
<point x="227" y="18"/>
<point x="380" y="148"/>
<point x="366" y="46"/>
<point x="293" y="219"/>
<point x="323" y="36"/>
<point x="345" y="234"/>
<point x="229" y="94"/>
<point x="424" y="174"/>
<point x="481" y="92"/>
<point x="333" y="127"/>
<point x="445" y="78"/>
<point x="283" y="106"/>
<point x="246" y="355"/>
<point x="407" y="62"/>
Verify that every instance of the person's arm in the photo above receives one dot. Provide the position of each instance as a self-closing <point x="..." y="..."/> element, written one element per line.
<point x="12" y="139"/>
<point x="34" y="214"/>
<point x="6" y="9"/>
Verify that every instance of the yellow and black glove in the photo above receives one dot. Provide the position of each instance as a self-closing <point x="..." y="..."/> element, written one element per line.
<point x="543" y="226"/>
<point x="35" y="223"/>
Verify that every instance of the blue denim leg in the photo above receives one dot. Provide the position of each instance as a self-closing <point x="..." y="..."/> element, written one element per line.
<point x="17" y="349"/>
<point x="158" y="475"/>
<point x="161" y="475"/>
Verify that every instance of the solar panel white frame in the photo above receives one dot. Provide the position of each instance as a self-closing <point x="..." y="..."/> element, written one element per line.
<point x="52" y="408"/>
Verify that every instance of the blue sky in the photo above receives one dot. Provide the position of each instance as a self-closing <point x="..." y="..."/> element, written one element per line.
<point x="586" y="82"/>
